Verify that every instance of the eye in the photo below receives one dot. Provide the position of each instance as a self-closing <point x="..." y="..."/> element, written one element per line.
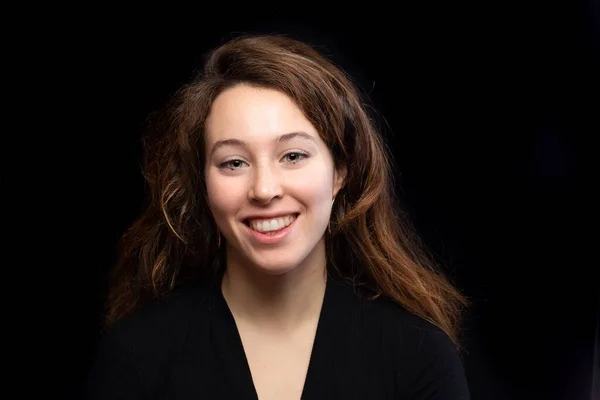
<point x="232" y="164"/>
<point x="295" y="156"/>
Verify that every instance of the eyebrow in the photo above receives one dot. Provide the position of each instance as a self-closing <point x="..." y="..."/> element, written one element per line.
<point x="282" y="138"/>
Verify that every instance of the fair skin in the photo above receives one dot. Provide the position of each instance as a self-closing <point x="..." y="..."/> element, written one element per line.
<point x="276" y="165"/>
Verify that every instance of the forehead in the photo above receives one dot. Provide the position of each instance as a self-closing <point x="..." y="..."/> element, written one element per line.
<point x="251" y="113"/>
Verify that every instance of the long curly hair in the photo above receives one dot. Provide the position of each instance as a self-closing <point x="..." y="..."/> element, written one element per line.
<point x="371" y="244"/>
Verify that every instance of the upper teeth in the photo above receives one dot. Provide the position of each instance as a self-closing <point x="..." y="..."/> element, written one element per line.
<point x="273" y="224"/>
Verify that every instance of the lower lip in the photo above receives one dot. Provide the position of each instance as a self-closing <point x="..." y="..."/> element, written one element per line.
<point x="274" y="238"/>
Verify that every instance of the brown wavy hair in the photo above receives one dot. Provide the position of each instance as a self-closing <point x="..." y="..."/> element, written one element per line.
<point x="371" y="243"/>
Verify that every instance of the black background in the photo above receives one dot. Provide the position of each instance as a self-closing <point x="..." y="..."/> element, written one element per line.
<point x="488" y="108"/>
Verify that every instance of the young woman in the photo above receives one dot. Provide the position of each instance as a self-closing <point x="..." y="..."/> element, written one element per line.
<point x="272" y="261"/>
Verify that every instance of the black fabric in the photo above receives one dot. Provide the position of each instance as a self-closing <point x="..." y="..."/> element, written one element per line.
<point x="188" y="347"/>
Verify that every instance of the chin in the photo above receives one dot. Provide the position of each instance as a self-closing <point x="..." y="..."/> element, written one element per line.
<point x="276" y="268"/>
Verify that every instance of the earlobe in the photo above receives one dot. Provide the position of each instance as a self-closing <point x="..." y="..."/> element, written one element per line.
<point x="340" y="179"/>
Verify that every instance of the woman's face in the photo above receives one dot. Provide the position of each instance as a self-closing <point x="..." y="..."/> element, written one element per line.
<point x="270" y="179"/>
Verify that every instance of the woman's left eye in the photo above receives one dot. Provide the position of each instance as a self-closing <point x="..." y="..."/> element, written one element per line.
<point x="295" y="156"/>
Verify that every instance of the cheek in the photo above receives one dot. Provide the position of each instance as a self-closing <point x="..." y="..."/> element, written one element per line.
<point x="315" y="188"/>
<point x="224" y="197"/>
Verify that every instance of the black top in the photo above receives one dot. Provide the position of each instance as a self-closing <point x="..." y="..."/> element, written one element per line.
<point x="188" y="347"/>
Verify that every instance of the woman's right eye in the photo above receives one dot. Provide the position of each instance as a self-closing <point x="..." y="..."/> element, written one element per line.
<point x="232" y="164"/>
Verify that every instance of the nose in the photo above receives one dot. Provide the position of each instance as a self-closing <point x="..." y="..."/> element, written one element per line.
<point x="266" y="185"/>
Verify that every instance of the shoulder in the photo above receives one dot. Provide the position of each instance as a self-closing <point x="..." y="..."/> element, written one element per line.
<point x="132" y="354"/>
<point x="163" y="319"/>
<point x="404" y="332"/>
<point x="166" y="314"/>
<point x="409" y="329"/>
<point x="427" y="363"/>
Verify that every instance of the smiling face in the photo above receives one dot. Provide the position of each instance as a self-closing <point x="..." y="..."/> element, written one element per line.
<point x="267" y="168"/>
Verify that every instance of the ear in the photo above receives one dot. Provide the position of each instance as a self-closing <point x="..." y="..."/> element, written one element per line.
<point x="339" y="178"/>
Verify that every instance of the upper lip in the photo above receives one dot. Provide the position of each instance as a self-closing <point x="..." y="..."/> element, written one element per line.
<point x="269" y="215"/>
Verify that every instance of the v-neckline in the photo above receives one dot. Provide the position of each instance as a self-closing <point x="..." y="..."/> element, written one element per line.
<point x="234" y="336"/>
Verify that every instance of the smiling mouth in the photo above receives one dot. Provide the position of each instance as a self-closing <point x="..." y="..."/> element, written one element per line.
<point x="271" y="226"/>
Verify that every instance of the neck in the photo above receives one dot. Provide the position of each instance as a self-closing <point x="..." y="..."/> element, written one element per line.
<point x="279" y="302"/>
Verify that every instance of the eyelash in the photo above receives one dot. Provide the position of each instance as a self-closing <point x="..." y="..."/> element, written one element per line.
<point x="302" y="154"/>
